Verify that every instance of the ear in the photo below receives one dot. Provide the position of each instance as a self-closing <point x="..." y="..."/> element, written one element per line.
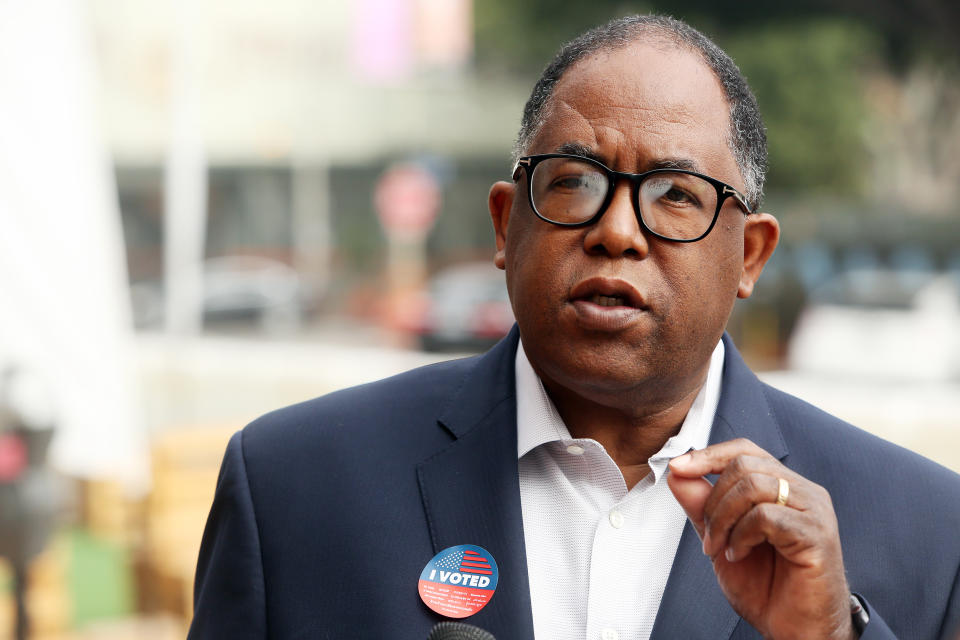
<point x="500" y="201"/>
<point x="761" y="232"/>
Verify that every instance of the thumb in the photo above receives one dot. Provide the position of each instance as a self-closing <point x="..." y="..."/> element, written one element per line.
<point x="692" y="494"/>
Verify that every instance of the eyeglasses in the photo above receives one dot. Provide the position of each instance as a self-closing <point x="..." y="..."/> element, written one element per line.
<point x="673" y="204"/>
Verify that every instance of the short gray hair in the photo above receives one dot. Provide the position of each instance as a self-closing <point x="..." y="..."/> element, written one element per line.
<point x="747" y="137"/>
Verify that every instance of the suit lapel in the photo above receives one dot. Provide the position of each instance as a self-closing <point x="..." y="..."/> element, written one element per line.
<point x="471" y="491"/>
<point x="693" y="606"/>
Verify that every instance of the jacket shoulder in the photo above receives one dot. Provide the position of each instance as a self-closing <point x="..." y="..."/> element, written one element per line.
<point x="898" y="514"/>
<point x="868" y="477"/>
<point x="808" y="427"/>
<point x="375" y="410"/>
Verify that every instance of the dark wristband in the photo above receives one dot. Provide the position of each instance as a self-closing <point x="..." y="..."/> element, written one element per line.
<point x="859" y="614"/>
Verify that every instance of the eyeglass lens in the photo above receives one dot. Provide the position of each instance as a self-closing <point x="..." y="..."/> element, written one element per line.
<point x="673" y="205"/>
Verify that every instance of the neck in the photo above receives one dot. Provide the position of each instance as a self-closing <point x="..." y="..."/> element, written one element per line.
<point x="630" y="432"/>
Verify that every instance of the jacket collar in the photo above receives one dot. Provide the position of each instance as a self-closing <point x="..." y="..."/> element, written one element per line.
<point x="693" y="606"/>
<point x="471" y="490"/>
<point x="488" y="385"/>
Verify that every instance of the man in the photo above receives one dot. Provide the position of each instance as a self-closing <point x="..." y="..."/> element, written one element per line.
<point x="614" y="456"/>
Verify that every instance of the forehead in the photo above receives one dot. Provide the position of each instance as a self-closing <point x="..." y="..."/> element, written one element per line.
<point x="640" y="103"/>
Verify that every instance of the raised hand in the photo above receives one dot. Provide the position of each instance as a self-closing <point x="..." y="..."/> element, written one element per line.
<point x="773" y="538"/>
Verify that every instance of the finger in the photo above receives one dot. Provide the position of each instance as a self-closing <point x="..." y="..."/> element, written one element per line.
<point x="752" y="480"/>
<point x="715" y="458"/>
<point x="746" y="492"/>
<point x="789" y="531"/>
<point x="739" y="467"/>
<point x="692" y="494"/>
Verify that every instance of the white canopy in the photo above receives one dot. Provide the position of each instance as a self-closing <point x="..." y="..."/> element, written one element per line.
<point x="65" y="311"/>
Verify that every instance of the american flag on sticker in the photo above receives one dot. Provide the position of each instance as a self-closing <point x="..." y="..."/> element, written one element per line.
<point x="466" y="561"/>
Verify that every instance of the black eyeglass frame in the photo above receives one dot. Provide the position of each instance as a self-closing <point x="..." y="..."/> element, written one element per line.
<point x="724" y="191"/>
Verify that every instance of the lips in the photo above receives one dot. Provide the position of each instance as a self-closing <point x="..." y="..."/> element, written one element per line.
<point x="606" y="304"/>
<point x="607" y="292"/>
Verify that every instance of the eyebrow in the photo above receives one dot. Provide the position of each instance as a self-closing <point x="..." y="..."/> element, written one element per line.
<point x="675" y="163"/>
<point x="579" y="149"/>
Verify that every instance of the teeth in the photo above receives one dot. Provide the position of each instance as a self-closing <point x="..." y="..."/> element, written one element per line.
<point x="607" y="301"/>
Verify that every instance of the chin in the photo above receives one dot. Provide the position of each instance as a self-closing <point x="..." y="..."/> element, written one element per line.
<point x="591" y="371"/>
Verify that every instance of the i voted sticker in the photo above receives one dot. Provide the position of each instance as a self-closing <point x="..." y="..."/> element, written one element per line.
<point x="459" y="581"/>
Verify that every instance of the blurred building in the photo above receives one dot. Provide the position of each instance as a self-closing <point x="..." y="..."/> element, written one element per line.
<point x="297" y="107"/>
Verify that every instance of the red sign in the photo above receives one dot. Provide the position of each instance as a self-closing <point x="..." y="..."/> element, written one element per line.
<point x="13" y="457"/>
<point x="407" y="199"/>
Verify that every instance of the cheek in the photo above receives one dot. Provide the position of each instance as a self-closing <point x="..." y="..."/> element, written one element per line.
<point x="539" y="264"/>
<point x="721" y="272"/>
<point x="730" y="259"/>
<point x="534" y="252"/>
<point x="703" y="281"/>
<point x="526" y="260"/>
<point x="518" y="257"/>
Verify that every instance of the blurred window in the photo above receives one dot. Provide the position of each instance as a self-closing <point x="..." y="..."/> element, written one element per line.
<point x="250" y="211"/>
<point x="860" y="258"/>
<point x="140" y="194"/>
<point x="913" y="266"/>
<point x="814" y="264"/>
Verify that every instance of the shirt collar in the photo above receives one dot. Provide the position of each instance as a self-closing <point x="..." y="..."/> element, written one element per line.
<point x="538" y="421"/>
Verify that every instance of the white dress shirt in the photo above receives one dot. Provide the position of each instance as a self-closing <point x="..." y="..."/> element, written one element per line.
<point x="598" y="556"/>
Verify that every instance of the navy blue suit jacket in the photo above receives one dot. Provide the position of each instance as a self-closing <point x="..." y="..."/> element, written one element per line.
<point x="327" y="511"/>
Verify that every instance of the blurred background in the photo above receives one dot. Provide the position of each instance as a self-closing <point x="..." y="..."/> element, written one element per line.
<point x="210" y="210"/>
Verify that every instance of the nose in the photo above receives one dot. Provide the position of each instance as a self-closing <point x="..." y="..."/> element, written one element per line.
<point x="617" y="232"/>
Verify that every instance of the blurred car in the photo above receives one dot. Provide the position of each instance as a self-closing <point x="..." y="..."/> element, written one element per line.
<point x="236" y="290"/>
<point x="466" y="308"/>
<point x="881" y="323"/>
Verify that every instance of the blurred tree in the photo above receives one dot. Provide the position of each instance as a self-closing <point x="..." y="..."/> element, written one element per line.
<point x="524" y="35"/>
<point x="808" y="77"/>
<point x="809" y="63"/>
<point x="909" y="29"/>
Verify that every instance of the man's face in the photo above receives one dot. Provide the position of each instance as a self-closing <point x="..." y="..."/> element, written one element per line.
<point x="635" y="109"/>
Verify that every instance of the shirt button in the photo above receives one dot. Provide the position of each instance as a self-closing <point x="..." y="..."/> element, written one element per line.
<point x="609" y="634"/>
<point x="616" y="520"/>
<point x="575" y="449"/>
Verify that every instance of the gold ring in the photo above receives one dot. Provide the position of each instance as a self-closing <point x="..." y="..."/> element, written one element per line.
<point x="783" y="493"/>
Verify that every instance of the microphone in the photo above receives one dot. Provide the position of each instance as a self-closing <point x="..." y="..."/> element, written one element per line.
<point x="447" y="630"/>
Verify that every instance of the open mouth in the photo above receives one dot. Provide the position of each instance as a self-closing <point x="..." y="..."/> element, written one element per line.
<point x="608" y="301"/>
<point x="607" y="292"/>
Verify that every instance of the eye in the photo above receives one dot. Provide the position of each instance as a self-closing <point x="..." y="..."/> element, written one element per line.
<point x="565" y="184"/>
<point x="679" y="196"/>
<point x="676" y="190"/>
<point x="571" y="182"/>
